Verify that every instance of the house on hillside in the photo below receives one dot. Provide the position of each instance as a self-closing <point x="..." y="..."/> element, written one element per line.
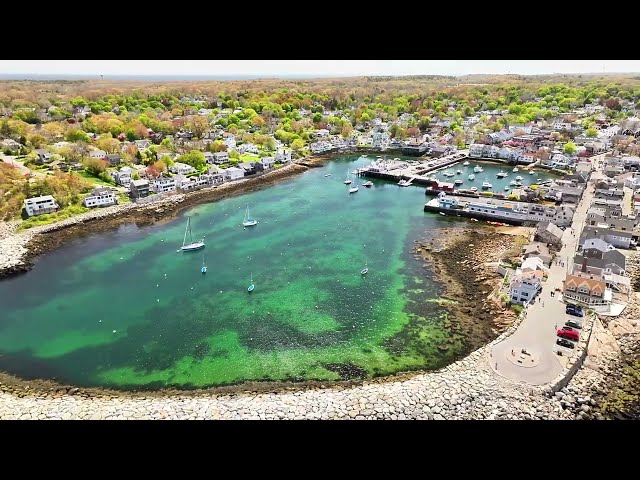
<point x="40" y="205"/>
<point x="550" y="233"/>
<point x="524" y="287"/>
<point x="139" y="188"/>
<point x="100" y="197"/>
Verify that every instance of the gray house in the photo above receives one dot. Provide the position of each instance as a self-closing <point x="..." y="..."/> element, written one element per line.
<point x="550" y="233"/>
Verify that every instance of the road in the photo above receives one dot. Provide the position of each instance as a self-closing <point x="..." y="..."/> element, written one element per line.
<point x="537" y="332"/>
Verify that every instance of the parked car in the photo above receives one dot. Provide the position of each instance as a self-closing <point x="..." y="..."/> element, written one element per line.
<point x="574" y="310"/>
<point x="572" y="324"/>
<point x="570" y="334"/>
<point x="564" y="343"/>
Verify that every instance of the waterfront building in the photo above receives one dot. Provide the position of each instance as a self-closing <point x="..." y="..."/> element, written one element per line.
<point x="234" y="173"/>
<point x="40" y="205"/>
<point x="181" y="168"/>
<point x="139" y="188"/>
<point x="164" y="184"/>
<point x="525" y="286"/>
<point x="100" y="197"/>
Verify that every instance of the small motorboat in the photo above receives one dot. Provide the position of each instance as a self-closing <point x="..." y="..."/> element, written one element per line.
<point x="486" y="185"/>
<point x="458" y="182"/>
<point x="252" y="286"/>
<point x="531" y="172"/>
<point x="507" y="188"/>
<point x="474" y="219"/>
<point x="519" y="178"/>
<point x="458" y="172"/>
<point x="477" y="169"/>
<point x="474" y="189"/>
<point x="368" y="184"/>
<point x="443" y="214"/>
<point x="516" y="169"/>
<point x="466" y="162"/>
<point x="328" y="175"/>
<point x="501" y="174"/>
<point x="472" y="177"/>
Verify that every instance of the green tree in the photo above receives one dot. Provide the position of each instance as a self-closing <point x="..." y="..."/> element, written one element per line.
<point x="570" y="148"/>
<point x="297" y="144"/>
<point x="591" y="133"/>
<point x="195" y="158"/>
<point x="76" y="135"/>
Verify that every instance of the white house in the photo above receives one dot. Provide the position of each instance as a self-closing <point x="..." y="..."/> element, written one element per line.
<point x="268" y="162"/>
<point x="40" y="205"/>
<point x="234" y="173"/>
<point x="122" y="176"/>
<point x="380" y="140"/>
<point x="98" y="154"/>
<point x="100" y="197"/>
<point x="219" y="158"/>
<point x="283" y="155"/>
<point x="164" y="184"/>
<point x="230" y="141"/>
<point x="525" y="287"/>
<point x="248" y="148"/>
<point x="181" y="168"/>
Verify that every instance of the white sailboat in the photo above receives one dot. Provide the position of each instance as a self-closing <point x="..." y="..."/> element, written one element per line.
<point x="248" y="221"/>
<point x="516" y="169"/>
<point x="348" y="180"/>
<point x="188" y="247"/>
<point x="204" y="266"/>
<point x="354" y="188"/>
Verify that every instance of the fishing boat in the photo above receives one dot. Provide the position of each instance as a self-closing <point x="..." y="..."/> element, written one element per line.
<point x="188" y="247"/>
<point x="516" y="169"/>
<point x="354" y="188"/>
<point x="248" y="221"/>
<point x="365" y="270"/>
<point x="501" y="174"/>
<point x="368" y="184"/>
<point x="474" y="189"/>
<point x="251" y="286"/>
<point x="478" y="169"/>
<point x="486" y="185"/>
<point x="204" y="267"/>
<point x="458" y="182"/>
<point x="466" y="162"/>
<point x="472" y="177"/>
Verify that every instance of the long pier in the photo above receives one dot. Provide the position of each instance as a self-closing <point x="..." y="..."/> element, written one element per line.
<point x="418" y="173"/>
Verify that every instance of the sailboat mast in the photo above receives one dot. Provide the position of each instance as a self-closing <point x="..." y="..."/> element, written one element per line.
<point x="190" y="234"/>
<point x="184" y="240"/>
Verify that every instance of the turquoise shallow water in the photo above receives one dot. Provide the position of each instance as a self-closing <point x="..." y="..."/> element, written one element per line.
<point x="125" y="310"/>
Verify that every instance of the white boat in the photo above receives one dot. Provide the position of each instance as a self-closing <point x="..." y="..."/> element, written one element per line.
<point x="486" y="185"/>
<point x="518" y="184"/>
<point x="348" y="180"/>
<point x="448" y="174"/>
<point x="368" y="184"/>
<point x="188" y="247"/>
<point x="328" y="175"/>
<point x="474" y="189"/>
<point x="478" y="169"/>
<point x="472" y="177"/>
<point x="354" y="188"/>
<point x="458" y="182"/>
<point x="512" y="182"/>
<point x="252" y="285"/>
<point x="507" y="188"/>
<point x="443" y="214"/>
<point x="474" y="219"/>
<point x="204" y="267"/>
<point x="248" y="221"/>
<point x="365" y="270"/>
<point x="466" y="162"/>
<point x="519" y="178"/>
<point x="531" y="172"/>
<point x="501" y="174"/>
<point x="459" y="172"/>
<point x="516" y="169"/>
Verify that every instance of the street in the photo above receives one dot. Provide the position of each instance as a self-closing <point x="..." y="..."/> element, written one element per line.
<point x="537" y="332"/>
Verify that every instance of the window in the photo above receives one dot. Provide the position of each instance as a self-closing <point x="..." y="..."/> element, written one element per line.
<point x="524" y="294"/>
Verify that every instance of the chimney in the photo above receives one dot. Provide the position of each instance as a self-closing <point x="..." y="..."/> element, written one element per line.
<point x="584" y="264"/>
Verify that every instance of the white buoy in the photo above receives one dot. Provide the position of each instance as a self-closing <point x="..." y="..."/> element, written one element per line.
<point x="99" y="321"/>
<point x="158" y="300"/>
<point x="114" y="331"/>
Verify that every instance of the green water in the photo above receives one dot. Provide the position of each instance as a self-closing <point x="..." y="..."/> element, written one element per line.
<point x="125" y="310"/>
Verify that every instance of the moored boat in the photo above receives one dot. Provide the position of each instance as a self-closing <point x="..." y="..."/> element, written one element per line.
<point x="191" y="246"/>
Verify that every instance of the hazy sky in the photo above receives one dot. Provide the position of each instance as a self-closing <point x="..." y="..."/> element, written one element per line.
<point x="312" y="67"/>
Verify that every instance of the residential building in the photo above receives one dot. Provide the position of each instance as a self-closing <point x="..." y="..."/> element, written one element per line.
<point x="550" y="233"/>
<point x="101" y="154"/>
<point x="219" y="158"/>
<point x="283" y="155"/>
<point x="586" y="288"/>
<point x="617" y="238"/>
<point x="114" y="159"/>
<point x="164" y="185"/>
<point x="142" y="144"/>
<point x="611" y="261"/>
<point x="537" y="250"/>
<point x="234" y="173"/>
<point x="44" y="157"/>
<point x="100" y="197"/>
<point x="267" y="162"/>
<point x="524" y="287"/>
<point x="229" y="140"/>
<point x="122" y="176"/>
<point x="139" y="188"/>
<point x="181" y="168"/>
<point x="40" y="205"/>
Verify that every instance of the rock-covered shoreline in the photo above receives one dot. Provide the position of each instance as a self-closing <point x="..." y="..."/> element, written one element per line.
<point x="19" y="248"/>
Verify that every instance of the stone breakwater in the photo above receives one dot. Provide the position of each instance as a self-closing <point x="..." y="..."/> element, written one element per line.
<point x="17" y="249"/>
<point x="467" y="389"/>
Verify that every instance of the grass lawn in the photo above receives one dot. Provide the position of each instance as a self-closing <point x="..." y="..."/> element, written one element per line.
<point x="91" y="178"/>
<point x="48" y="218"/>
<point x="249" y="157"/>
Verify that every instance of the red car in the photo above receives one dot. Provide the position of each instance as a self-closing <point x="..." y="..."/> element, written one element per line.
<point x="570" y="334"/>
